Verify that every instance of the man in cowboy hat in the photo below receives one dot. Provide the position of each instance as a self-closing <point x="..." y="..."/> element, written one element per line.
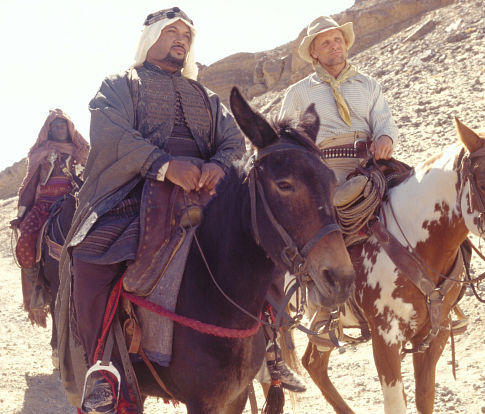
<point x="352" y="111"/>
<point x="145" y="123"/>
<point x="354" y="118"/>
<point x="350" y="104"/>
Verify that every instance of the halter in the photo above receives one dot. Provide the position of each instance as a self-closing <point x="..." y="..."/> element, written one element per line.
<point x="468" y="165"/>
<point x="291" y="255"/>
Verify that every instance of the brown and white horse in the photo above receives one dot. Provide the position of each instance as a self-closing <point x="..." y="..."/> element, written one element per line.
<point x="434" y="209"/>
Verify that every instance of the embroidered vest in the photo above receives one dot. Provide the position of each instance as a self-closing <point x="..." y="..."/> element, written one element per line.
<point x="156" y="107"/>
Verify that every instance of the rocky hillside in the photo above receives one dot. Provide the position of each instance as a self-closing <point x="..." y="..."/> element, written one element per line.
<point x="274" y="70"/>
<point x="428" y="55"/>
<point x="11" y="178"/>
<point x="430" y="72"/>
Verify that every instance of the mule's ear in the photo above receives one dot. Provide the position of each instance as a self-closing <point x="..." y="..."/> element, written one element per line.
<point x="310" y="122"/>
<point x="470" y="138"/>
<point x="251" y="122"/>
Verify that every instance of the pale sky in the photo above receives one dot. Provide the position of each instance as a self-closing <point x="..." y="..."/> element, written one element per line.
<point x="55" y="53"/>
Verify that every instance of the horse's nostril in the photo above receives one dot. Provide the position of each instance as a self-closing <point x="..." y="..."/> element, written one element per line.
<point x="328" y="277"/>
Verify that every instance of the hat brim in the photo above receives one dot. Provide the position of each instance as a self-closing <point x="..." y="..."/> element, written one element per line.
<point x="304" y="48"/>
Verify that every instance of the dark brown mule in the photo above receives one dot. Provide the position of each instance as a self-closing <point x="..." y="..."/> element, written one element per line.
<point x="434" y="210"/>
<point x="245" y="250"/>
<point x="57" y="228"/>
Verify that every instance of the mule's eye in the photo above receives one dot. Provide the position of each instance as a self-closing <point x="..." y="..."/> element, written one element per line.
<point x="284" y="186"/>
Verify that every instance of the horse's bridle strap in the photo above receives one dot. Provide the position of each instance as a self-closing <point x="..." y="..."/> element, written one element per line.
<point x="329" y="228"/>
<point x="291" y="255"/>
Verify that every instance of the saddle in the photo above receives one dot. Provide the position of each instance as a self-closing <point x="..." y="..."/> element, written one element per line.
<point x="166" y="212"/>
<point x="358" y="200"/>
<point x="55" y="240"/>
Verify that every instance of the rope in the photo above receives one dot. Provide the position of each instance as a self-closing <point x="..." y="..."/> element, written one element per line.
<point x="193" y="323"/>
<point x="354" y="216"/>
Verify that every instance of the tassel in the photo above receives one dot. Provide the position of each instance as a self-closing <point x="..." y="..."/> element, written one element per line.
<point x="275" y="400"/>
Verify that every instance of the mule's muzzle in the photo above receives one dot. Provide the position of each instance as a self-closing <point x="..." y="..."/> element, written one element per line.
<point x="331" y="271"/>
<point x="332" y="288"/>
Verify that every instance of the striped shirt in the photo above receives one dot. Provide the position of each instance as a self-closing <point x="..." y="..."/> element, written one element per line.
<point x="369" y="111"/>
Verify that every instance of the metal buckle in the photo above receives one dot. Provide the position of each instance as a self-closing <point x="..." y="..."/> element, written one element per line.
<point x="292" y="258"/>
<point x="434" y="296"/>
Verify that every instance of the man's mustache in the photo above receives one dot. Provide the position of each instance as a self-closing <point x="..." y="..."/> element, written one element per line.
<point x="185" y="50"/>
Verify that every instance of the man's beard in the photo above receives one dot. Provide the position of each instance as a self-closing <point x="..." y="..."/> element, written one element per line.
<point x="173" y="61"/>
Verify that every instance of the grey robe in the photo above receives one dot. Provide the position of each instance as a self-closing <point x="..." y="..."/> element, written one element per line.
<point x="118" y="159"/>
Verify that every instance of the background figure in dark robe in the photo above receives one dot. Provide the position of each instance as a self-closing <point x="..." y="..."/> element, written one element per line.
<point x="145" y="122"/>
<point x="55" y="161"/>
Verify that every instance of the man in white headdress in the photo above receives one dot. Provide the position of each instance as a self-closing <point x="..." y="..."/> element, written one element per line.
<point x="145" y="123"/>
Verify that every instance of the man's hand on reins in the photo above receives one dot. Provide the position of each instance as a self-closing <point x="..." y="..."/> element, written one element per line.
<point x="183" y="173"/>
<point x="211" y="174"/>
<point x="15" y="223"/>
<point x="382" y="147"/>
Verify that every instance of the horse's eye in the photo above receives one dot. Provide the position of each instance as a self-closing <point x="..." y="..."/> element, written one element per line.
<point x="284" y="186"/>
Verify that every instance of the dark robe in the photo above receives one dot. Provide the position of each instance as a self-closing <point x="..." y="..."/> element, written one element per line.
<point x="132" y="118"/>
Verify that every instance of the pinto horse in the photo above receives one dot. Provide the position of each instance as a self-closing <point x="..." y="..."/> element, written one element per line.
<point x="248" y="237"/>
<point x="431" y="214"/>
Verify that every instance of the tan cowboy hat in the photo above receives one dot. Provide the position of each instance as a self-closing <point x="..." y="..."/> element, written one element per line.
<point x="320" y="25"/>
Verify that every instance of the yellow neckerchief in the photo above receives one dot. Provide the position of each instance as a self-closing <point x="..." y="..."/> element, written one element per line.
<point x="335" y="83"/>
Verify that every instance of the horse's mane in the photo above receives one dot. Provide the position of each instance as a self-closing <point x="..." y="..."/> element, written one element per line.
<point x="293" y="130"/>
<point x="451" y="155"/>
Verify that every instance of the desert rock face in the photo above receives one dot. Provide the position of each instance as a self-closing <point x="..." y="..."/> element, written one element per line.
<point x="274" y="70"/>
<point x="11" y="178"/>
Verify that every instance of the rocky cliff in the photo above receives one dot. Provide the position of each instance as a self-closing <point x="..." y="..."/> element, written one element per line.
<point x="274" y="70"/>
<point x="11" y="178"/>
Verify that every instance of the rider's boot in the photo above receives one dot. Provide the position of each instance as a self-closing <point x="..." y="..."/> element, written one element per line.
<point x="101" y="397"/>
<point x="289" y="379"/>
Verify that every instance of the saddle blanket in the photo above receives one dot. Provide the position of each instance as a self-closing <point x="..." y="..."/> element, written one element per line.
<point x="157" y="331"/>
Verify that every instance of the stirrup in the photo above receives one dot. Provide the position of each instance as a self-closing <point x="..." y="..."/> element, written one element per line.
<point x="459" y="326"/>
<point x="101" y="366"/>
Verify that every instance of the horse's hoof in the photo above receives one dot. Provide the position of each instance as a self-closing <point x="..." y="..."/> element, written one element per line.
<point x="55" y="358"/>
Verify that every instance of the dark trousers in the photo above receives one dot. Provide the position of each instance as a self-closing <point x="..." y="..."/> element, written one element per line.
<point x="92" y="285"/>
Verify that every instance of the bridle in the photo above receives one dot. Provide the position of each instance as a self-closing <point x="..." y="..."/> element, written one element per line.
<point x="293" y="257"/>
<point x="469" y="164"/>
